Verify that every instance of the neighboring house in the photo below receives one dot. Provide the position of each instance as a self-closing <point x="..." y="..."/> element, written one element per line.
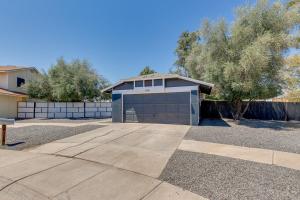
<point x="11" y="91"/>
<point x="158" y="98"/>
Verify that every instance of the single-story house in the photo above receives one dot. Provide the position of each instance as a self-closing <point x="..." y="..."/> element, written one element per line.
<point x="11" y="91"/>
<point x="158" y="98"/>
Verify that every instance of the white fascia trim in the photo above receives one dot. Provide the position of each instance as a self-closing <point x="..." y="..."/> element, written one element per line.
<point x="150" y="90"/>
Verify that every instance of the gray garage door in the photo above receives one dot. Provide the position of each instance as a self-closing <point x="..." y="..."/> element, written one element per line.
<point x="169" y="108"/>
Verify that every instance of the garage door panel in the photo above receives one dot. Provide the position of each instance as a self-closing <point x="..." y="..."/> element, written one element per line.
<point x="184" y="119"/>
<point x="138" y="108"/>
<point x="184" y="109"/>
<point x="149" y="117"/>
<point x="133" y="99"/>
<point x="155" y="98"/>
<point x="129" y="118"/>
<point x="170" y="108"/>
<point x="160" y="108"/>
<point x="178" y="98"/>
<point x="149" y="108"/>
<point x="149" y="99"/>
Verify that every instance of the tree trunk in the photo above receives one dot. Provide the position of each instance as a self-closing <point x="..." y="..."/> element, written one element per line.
<point x="238" y="109"/>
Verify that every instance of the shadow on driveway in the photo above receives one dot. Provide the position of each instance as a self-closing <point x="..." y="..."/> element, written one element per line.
<point x="279" y="125"/>
<point x="214" y="122"/>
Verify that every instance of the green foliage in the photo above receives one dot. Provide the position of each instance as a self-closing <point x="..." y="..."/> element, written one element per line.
<point x="74" y="81"/>
<point x="147" y="70"/>
<point x="244" y="60"/>
<point x="291" y="73"/>
<point x="40" y="88"/>
<point x="184" y="47"/>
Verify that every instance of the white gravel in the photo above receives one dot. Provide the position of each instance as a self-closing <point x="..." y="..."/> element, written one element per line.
<point x="275" y="135"/>
<point x="216" y="177"/>
<point x="29" y="136"/>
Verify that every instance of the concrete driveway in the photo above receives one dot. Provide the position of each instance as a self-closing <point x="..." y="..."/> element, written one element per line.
<point x="119" y="161"/>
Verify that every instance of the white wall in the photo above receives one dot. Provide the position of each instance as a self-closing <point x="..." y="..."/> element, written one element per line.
<point x="12" y="79"/>
<point x="64" y="110"/>
<point x="3" y="80"/>
<point x="8" y="106"/>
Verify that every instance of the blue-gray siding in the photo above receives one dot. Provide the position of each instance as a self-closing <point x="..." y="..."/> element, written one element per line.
<point x="194" y="107"/>
<point x="116" y="107"/>
<point x="125" y="86"/>
<point x="176" y="82"/>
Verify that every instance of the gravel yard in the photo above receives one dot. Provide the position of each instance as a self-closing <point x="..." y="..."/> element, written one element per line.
<point x="217" y="177"/>
<point x="275" y="135"/>
<point x="29" y="136"/>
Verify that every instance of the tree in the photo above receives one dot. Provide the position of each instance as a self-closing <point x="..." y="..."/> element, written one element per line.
<point x="184" y="47"/>
<point x="74" y="81"/>
<point x="244" y="60"/>
<point x="147" y="70"/>
<point x="292" y="77"/>
<point x="40" y="88"/>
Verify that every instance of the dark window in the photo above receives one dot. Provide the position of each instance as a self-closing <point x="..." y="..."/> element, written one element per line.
<point x="158" y="82"/>
<point x="20" y="82"/>
<point x="139" y="83"/>
<point x="148" y="83"/>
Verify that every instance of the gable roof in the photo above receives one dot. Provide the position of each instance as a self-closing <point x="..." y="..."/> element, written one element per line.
<point x="158" y="76"/>
<point x="9" y="68"/>
<point x="10" y="93"/>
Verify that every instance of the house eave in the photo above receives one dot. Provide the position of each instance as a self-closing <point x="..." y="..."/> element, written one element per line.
<point x="209" y="86"/>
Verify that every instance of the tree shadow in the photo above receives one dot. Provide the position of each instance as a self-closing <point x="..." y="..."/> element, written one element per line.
<point x="213" y="122"/>
<point x="270" y="124"/>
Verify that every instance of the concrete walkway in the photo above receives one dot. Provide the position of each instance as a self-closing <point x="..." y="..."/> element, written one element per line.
<point x="20" y="124"/>
<point x="120" y="161"/>
<point x="283" y="159"/>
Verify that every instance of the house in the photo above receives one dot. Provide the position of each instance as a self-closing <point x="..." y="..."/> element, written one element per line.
<point x="11" y="91"/>
<point x="158" y="98"/>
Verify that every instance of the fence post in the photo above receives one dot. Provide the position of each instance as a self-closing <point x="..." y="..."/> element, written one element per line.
<point x="34" y="105"/>
<point x="84" y="109"/>
<point x="18" y="109"/>
<point x="286" y="111"/>
<point x="47" y="109"/>
<point x="66" y="110"/>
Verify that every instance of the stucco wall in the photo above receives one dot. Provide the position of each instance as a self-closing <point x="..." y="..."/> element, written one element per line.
<point x="3" y="80"/>
<point x="8" y="106"/>
<point x="12" y="79"/>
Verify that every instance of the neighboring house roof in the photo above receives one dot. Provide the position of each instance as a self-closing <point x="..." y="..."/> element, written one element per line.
<point x="10" y="93"/>
<point x="9" y="68"/>
<point x="158" y="76"/>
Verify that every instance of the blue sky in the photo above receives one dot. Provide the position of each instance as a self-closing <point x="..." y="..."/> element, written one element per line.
<point x="118" y="37"/>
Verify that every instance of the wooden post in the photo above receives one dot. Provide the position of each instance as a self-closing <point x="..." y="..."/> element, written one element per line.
<point x="3" y="134"/>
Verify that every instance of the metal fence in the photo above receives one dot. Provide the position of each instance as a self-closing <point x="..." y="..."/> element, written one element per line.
<point x="55" y="110"/>
<point x="257" y="110"/>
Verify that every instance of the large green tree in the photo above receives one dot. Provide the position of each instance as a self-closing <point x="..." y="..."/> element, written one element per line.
<point x="40" y="87"/>
<point x="244" y="60"/>
<point x="184" y="47"/>
<point x="291" y="73"/>
<point x="147" y="70"/>
<point x="74" y="81"/>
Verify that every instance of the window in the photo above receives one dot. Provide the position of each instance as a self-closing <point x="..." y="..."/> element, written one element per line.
<point x="20" y="81"/>
<point x="148" y="83"/>
<point x="158" y="82"/>
<point x="139" y="84"/>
